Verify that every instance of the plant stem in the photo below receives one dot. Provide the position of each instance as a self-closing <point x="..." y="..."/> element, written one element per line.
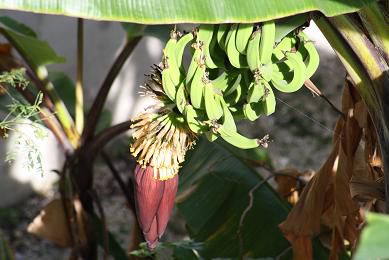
<point x="98" y="104"/>
<point x="115" y="173"/>
<point x="79" y="106"/>
<point x="96" y="144"/>
<point x="373" y="18"/>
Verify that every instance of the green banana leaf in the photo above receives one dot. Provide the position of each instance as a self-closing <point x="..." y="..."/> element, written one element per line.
<point x="373" y="243"/>
<point x="184" y="11"/>
<point x="37" y="52"/>
<point x="214" y="193"/>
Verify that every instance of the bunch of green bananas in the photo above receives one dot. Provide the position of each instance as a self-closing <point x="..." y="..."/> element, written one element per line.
<point x="233" y="71"/>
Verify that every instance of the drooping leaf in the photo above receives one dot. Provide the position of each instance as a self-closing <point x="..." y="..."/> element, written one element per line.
<point x="36" y="52"/>
<point x="183" y="11"/>
<point x="229" y="207"/>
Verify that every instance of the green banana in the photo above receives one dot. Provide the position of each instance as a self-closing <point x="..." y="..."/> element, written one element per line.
<point x="196" y="62"/>
<point x="204" y="36"/>
<point x="228" y="119"/>
<point x="181" y="44"/>
<point x="180" y="99"/>
<point x="190" y="118"/>
<point x="236" y="139"/>
<point x="252" y="52"/>
<point x="222" y="34"/>
<point x="252" y="111"/>
<point x="297" y="66"/>
<point x="267" y="42"/>
<point x="242" y="37"/>
<point x="234" y="56"/>
<point x="256" y="92"/>
<point x="231" y="88"/>
<point x="312" y="58"/>
<point x="197" y="88"/>
<point x="169" y="58"/>
<point x="169" y="87"/>
<point x="269" y="101"/>
<point x="213" y="107"/>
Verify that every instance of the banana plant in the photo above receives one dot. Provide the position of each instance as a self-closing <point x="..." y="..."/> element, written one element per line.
<point x="241" y="55"/>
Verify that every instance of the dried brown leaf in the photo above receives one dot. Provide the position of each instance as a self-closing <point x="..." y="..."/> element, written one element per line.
<point x="51" y="224"/>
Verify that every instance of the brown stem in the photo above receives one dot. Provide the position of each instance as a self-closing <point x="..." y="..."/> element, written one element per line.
<point x="98" y="104"/>
<point x="312" y="87"/>
<point x="115" y="173"/>
<point x="96" y="144"/>
<point x="103" y="220"/>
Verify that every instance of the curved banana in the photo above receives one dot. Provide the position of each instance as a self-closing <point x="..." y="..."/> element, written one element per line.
<point x="256" y="92"/>
<point x="297" y="66"/>
<point x="252" y="111"/>
<point x="196" y="88"/>
<point x="196" y="61"/>
<point x="228" y="119"/>
<point x="269" y="101"/>
<point x="180" y="99"/>
<point x="181" y="44"/>
<point x="231" y="88"/>
<point x="204" y="36"/>
<point x="312" y="59"/>
<point x="236" y="139"/>
<point x="169" y="87"/>
<point x="234" y="56"/>
<point x="213" y="107"/>
<point x="267" y="41"/>
<point x="222" y="35"/>
<point x="190" y="118"/>
<point x="252" y="53"/>
<point x="242" y="37"/>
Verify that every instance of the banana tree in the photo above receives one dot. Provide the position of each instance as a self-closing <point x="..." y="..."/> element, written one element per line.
<point x="241" y="54"/>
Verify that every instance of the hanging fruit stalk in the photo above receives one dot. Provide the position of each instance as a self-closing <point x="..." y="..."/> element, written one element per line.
<point x="233" y="72"/>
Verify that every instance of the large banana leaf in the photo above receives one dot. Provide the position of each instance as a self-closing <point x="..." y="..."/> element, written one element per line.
<point x="214" y="198"/>
<point x="179" y="11"/>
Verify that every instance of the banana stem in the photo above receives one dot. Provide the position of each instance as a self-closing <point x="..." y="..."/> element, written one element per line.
<point x="373" y="18"/>
<point x="79" y="106"/>
<point x="372" y="90"/>
<point x="98" y="104"/>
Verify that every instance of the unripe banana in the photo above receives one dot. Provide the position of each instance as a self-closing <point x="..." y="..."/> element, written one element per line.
<point x="267" y="42"/>
<point x="181" y="44"/>
<point x="168" y="85"/>
<point x="181" y="98"/>
<point x="169" y="59"/>
<point x="236" y="59"/>
<point x="204" y="36"/>
<point x="252" y="56"/>
<point x="236" y="139"/>
<point x="256" y="92"/>
<point x="242" y="37"/>
<point x="269" y="100"/>
<point x="312" y="59"/>
<point x="190" y="118"/>
<point x="222" y="35"/>
<point x="213" y="107"/>
<point x="252" y="111"/>
<point x="231" y="88"/>
<point x="296" y="65"/>
<point x="228" y="119"/>
<point x="196" y="61"/>
<point x="197" y="88"/>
